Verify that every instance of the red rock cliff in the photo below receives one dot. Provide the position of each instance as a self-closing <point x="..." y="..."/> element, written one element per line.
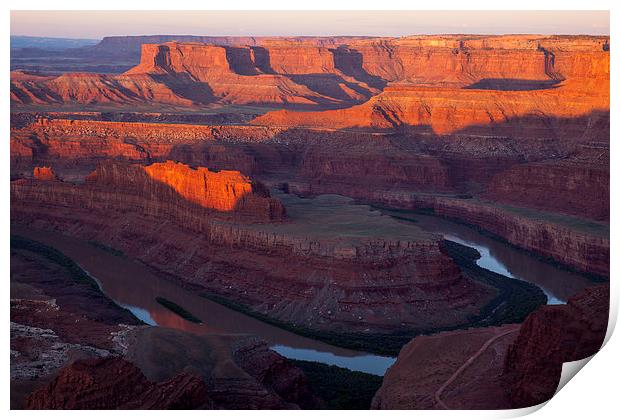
<point x="114" y="383"/>
<point x="551" y="336"/>
<point x="369" y="283"/>
<point x="573" y="187"/>
<point x="576" y="243"/>
<point x="163" y="190"/>
<point x="44" y="173"/>
<point x="320" y="74"/>
<point x="450" y="110"/>
<point x="224" y="191"/>
<point x="511" y="366"/>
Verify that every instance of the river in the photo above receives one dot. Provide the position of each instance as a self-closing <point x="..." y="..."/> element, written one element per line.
<point x="498" y="256"/>
<point x="134" y="286"/>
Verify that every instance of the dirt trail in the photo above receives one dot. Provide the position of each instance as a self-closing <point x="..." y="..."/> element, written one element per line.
<point x="467" y="363"/>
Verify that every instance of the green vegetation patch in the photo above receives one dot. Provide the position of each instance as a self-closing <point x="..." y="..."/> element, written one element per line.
<point x="340" y="388"/>
<point x="515" y="300"/>
<point x="180" y="311"/>
<point x="380" y="344"/>
<point x="106" y="248"/>
<point x="332" y="217"/>
<point x="76" y="272"/>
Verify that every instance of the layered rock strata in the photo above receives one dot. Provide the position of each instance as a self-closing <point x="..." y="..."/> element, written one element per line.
<point x="44" y="173"/>
<point x="321" y="73"/>
<point x="190" y="196"/>
<point x="576" y="243"/>
<point x="322" y="157"/>
<point x="389" y="171"/>
<point x="114" y="383"/>
<point x="447" y="110"/>
<point x="569" y="186"/>
<point x="77" y="147"/>
<point x="362" y="280"/>
<point x="73" y="348"/>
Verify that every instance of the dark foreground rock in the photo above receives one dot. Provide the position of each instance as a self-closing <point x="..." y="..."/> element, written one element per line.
<point x="114" y="383"/>
<point x="512" y="366"/>
<point x="74" y="348"/>
<point x="552" y="336"/>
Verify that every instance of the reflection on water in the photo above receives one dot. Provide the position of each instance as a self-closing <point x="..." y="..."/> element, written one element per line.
<point x="140" y="313"/>
<point x="134" y="287"/>
<point x="491" y="263"/>
<point x="504" y="259"/>
<point x="369" y="363"/>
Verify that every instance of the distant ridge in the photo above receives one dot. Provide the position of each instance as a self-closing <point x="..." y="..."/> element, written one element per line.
<point x="58" y="44"/>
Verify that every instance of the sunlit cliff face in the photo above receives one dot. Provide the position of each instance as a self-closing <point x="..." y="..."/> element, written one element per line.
<point x="44" y="173"/>
<point x="220" y="191"/>
<point x="169" y="182"/>
<point x="451" y="88"/>
<point x="406" y="81"/>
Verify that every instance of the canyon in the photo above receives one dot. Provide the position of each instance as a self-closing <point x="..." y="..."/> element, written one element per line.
<point x="68" y="339"/>
<point x="378" y="276"/>
<point x="287" y="179"/>
<point x="314" y="73"/>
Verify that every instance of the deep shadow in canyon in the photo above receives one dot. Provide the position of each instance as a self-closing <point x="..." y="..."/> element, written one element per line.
<point x="513" y="84"/>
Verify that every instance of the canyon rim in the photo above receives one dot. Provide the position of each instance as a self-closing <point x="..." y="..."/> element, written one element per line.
<point x="306" y="222"/>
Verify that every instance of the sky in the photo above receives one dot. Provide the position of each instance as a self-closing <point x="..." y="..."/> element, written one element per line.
<point x="97" y="24"/>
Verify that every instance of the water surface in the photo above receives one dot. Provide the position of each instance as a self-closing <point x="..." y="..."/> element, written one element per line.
<point x="134" y="286"/>
<point x="497" y="256"/>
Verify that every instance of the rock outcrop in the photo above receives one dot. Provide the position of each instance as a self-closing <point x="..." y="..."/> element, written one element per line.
<point x="240" y="371"/>
<point x="130" y="46"/>
<point x="450" y="370"/>
<point x="451" y="84"/>
<point x="512" y="366"/>
<point x="449" y="110"/>
<point x="467" y="59"/>
<point x="191" y="74"/>
<point x="190" y="196"/>
<point x="551" y="336"/>
<point x="382" y="278"/>
<point x="44" y="173"/>
<point x="114" y="383"/>
<point x="276" y="373"/>
<point x="569" y="186"/>
<point x="322" y="73"/>
<point x="177" y="186"/>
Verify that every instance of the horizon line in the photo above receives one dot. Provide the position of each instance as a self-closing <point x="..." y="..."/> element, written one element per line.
<point x="325" y="36"/>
